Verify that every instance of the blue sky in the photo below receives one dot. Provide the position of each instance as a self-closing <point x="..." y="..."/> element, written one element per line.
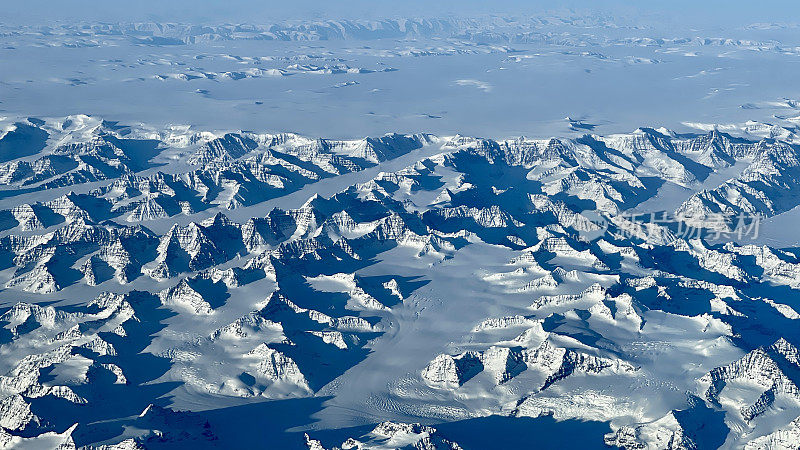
<point x="692" y="11"/>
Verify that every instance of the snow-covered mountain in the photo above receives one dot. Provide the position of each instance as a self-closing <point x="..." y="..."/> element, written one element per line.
<point x="169" y="287"/>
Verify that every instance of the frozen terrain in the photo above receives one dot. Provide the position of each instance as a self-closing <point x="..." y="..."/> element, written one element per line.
<point x="332" y="234"/>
